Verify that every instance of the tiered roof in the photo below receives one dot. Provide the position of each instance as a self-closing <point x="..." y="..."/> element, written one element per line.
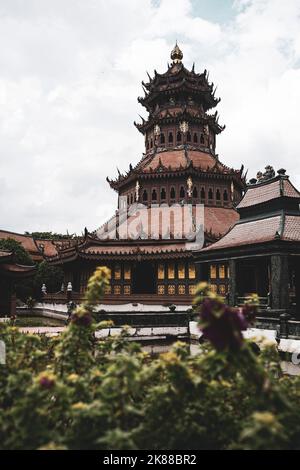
<point x="10" y="269"/>
<point x="178" y="96"/>
<point x="178" y="162"/>
<point x="267" y="191"/>
<point x="37" y="248"/>
<point x="101" y="243"/>
<point x="170" y="114"/>
<point x="269" y="213"/>
<point x="179" y="79"/>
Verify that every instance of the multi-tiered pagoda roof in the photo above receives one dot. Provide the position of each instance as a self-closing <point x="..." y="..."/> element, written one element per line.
<point x="180" y="135"/>
<point x="180" y="167"/>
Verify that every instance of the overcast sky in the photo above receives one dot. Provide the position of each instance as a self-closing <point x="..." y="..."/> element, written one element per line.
<point x="70" y="75"/>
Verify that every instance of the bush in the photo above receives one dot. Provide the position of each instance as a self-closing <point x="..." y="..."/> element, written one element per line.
<point x="73" y="392"/>
<point x="20" y="254"/>
<point x="52" y="276"/>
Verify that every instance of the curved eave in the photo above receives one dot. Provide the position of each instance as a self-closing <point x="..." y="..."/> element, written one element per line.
<point x="16" y="270"/>
<point x="250" y="249"/>
<point x="185" y="171"/>
<point x="206" y="94"/>
<point x="135" y="255"/>
<point x="171" y="73"/>
<point x="168" y="119"/>
<point x="107" y="256"/>
<point x="5" y="256"/>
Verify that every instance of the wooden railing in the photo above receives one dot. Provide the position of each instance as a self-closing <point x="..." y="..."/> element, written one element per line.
<point x="264" y="302"/>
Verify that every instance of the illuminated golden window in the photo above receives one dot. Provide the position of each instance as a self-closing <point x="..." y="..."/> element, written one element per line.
<point x="161" y="271"/>
<point x="213" y="271"/>
<point x="214" y="288"/>
<point x="192" y="271"/>
<point x="192" y="289"/>
<point x="127" y="272"/>
<point x="171" y="271"/>
<point x="181" y="271"/>
<point x="107" y="290"/>
<point x="222" y="271"/>
<point x="117" y="290"/>
<point x="117" y="271"/>
<point x="222" y="289"/>
<point x="127" y="290"/>
<point x="161" y="289"/>
<point x="181" y="289"/>
<point x="171" y="289"/>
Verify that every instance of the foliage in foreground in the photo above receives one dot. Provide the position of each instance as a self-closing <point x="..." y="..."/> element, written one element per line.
<point x="20" y="254"/>
<point x="73" y="392"/>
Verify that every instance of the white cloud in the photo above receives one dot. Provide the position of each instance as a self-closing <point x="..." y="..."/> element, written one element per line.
<point x="70" y="76"/>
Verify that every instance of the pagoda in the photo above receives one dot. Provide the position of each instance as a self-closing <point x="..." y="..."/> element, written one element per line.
<point x="179" y="168"/>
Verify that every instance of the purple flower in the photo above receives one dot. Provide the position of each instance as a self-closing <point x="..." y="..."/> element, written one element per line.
<point x="221" y="324"/>
<point x="46" y="381"/>
<point x="82" y="319"/>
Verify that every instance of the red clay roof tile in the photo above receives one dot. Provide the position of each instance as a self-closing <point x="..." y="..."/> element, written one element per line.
<point x="291" y="228"/>
<point x="248" y="233"/>
<point x="267" y="191"/>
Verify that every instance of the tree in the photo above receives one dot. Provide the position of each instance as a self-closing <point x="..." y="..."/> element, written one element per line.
<point x="20" y="254"/>
<point x="52" y="276"/>
<point x="51" y="236"/>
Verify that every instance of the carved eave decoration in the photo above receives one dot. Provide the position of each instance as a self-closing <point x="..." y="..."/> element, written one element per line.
<point x="185" y="115"/>
<point x="218" y="171"/>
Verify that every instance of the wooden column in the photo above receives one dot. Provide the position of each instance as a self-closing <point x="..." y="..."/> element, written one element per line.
<point x="298" y="291"/>
<point x="199" y="272"/>
<point x="232" y="282"/>
<point x="280" y="282"/>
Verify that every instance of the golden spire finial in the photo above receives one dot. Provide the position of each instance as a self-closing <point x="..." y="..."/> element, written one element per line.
<point x="176" y="54"/>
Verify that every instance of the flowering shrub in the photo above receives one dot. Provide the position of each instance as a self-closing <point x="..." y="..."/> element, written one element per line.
<point x="73" y="392"/>
<point x="221" y="325"/>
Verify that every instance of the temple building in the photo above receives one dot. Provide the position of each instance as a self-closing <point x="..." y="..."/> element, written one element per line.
<point x="261" y="252"/>
<point x="36" y="248"/>
<point x="150" y="261"/>
<point x="10" y="273"/>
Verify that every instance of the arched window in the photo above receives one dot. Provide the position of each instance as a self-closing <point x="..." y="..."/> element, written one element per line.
<point x="201" y="139"/>
<point x="182" y="192"/>
<point x="154" y="195"/>
<point x="218" y="195"/>
<point x="147" y="145"/>
<point x="178" y="136"/>
<point x="170" y="137"/>
<point x="188" y="137"/>
<point x="195" y="138"/>
<point x="203" y="193"/>
<point x="163" y="194"/>
<point x="162" y="138"/>
<point x="195" y="192"/>
<point x="131" y="199"/>
<point x="210" y="194"/>
<point x="128" y="199"/>
<point x="151" y="143"/>
<point x="172" y="193"/>
<point x="145" y="195"/>
<point x="225" y="195"/>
